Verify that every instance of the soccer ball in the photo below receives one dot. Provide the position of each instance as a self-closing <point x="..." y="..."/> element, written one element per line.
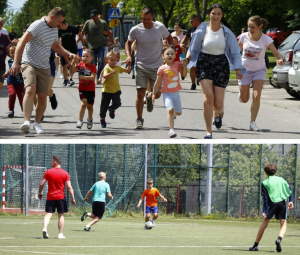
<point x="149" y="225"/>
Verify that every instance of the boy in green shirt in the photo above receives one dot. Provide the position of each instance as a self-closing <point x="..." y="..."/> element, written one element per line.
<point x="275" y="191"/>
<point x="99" y="189"/>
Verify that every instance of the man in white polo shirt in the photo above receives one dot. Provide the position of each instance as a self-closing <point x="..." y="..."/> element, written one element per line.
<point x="148" y="36"/>
<point x="36" y="45"/>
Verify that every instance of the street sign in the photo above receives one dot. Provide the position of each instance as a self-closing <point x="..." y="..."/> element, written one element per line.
<point x="114" y="3"/>
<point x="114" y="13"/>
<point x="114" y="23"/>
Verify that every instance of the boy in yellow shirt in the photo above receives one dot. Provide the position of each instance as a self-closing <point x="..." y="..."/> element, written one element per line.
<point x="111" y="90"/>
<point x="151" y="202"/>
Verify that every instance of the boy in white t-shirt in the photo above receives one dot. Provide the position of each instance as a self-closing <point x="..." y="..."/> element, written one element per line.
<point x="169" y="75"/>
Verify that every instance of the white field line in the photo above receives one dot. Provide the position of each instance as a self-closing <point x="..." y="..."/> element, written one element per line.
<point x="146" y="246"/>
<point x="41" y="252"/>
<point x="89" y="236"/>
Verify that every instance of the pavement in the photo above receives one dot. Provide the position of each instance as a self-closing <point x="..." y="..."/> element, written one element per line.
<point x="278" y="117"/>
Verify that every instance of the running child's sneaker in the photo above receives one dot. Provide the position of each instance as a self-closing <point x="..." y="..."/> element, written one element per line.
<point x="172" y="134"/>
<point x="65" y="83"/>
<point x="149" y="103"/>
<point x="103" y="123"/>
<point x="253" y="248"/>
<point x="218" y="122"/>
<point x="25" y="127"/>
<point x="45" y="234"/>
<point x="38" y="128"/>
<point x="10" y="114"/>
<point x="84" y="215"/>
<point x="79" y="124"/>
<point x="253" y="126"/>
<point x="139" y="123"/>
<point x="278" y="245"/>
<point x="152" y="222"/>
<point x="89" y="123"/>
<point x="87" y="228"/>
<point x="111" y="113"/>
<point x="71" y="83"/>
<point x="61" y="236"/>
<point x="53" y="101"/>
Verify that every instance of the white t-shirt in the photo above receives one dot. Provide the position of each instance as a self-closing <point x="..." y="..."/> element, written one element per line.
<point x="214" y="42"/>
<point x="37" y="51"/>
<point x="149" y="44"/>
<point x="253" y="58"/>
<point x="79" y="44"/>
<point x="4" y="31"/>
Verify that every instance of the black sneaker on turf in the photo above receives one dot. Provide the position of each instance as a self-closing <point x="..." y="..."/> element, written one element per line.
<point x="87" y="228"/>
<point x="193" y="87"/>
<point x="45" y="235"/>
<point x="111" y="113"/>
<point x="278" y="245"/>
<point x="84" y="215"/>
<point x="53" y="101"/>
<point x="253" y="248"/>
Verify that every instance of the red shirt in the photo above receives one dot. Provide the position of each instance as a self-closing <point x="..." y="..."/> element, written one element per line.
<point x="151" y="195"/>
<point x="57" y="179"/>
<point x="86" y="70"/>
<point x="178" y="50"/>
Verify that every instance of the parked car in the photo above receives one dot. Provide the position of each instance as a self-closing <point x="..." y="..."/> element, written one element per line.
<point x="294" y="71"/>
<point x="277" y="35"/>
<point x="280" y="73"/>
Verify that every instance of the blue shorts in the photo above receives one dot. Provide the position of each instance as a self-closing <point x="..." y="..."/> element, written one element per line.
<point x="153" y="209"/>
<point x="52" y="68"/>
<point x="80" y="52"/>
<point x="172" y="100"/>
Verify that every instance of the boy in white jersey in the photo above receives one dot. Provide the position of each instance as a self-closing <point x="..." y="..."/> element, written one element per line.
<point x="99" y="189"/>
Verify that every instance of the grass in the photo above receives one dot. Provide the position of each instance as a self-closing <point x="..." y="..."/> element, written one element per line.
<point x="172" y="235"/>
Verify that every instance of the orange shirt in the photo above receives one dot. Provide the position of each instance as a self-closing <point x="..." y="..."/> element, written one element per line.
<point x="151" y="197"/>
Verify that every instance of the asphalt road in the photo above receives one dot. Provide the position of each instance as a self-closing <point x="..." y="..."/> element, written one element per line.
<point x="278" y="117"/>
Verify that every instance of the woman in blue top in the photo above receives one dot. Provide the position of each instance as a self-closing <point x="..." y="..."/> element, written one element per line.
<point x="214" y="51"/>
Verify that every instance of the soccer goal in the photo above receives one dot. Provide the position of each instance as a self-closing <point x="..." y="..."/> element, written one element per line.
<point x="14" y="190"/>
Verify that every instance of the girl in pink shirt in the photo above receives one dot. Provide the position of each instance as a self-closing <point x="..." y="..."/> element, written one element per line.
<point x="168" y="74"/>
<point x="254" y="44"/>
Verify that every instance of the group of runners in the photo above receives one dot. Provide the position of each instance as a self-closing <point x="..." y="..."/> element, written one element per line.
<point x="213" y="52"/>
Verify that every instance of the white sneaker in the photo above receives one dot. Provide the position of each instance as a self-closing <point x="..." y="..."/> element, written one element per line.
<point x="239" y="96"/>
<point x="79" y="124"/>
<point x="61" y="236"/>
<point x="61" y="76"/>
<point x="172" y="134"/>
<point x="38" y="128"/>
<point x="25" y="127"/>
<point x="253" y="126"/>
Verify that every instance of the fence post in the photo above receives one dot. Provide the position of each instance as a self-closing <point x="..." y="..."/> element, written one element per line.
<point x="259" y="199"/>
<point x="125" y="168"/>
<point x="241" y="201"/>
<point x="85" y="167"/>
<point x="26" y="180"/>
<point x="200" y="179"/>
<point x="167" y="201"/>
<point x="228" y="179"/>
<point x="177" y="200"/>
<point x="22" y="185"/>
<point x="155" y="162"/>
<point x="145" y="175"/>
<point x="96" y="168"/>
<point x="295" y="186"/>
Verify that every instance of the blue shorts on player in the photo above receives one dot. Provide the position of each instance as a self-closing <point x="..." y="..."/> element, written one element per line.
<point x="153" y="209"/>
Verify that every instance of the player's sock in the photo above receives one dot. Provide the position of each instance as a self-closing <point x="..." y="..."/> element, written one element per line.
<point x="279" y="238"/>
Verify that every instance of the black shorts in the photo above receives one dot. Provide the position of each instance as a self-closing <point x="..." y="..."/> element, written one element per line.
<point x="213" y="67"/>
<point x="88" y="95"/>
<point x="60" y="205"/>
<point x="62" y="58"/>
<point x="98" y="208"/>
<point x="278" y="209"/>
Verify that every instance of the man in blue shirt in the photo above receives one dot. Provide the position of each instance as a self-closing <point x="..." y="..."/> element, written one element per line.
<point x="99" y="189"/>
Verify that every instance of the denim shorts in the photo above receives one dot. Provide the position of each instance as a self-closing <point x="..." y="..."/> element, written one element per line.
<point x="172" y="100"/>
<point x="251" y="76"/>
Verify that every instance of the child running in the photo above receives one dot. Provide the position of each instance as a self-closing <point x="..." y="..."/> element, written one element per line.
<point x="87" y="73"/>
<point x="100" y="189"/>
<point x="15" y="86"/>
<point x="169" y="75"/>
<point x="151" y="202"/>
<point x="275" y="191"/>
<point x="111" y="90"/>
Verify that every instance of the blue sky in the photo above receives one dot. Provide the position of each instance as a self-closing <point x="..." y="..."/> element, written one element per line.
<point x="16" y="4"/>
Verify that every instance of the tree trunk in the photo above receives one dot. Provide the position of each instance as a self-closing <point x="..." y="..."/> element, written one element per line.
<point x="166" y="18"/>
<point x="204" y="10"/>
<point x="197" y="7"/>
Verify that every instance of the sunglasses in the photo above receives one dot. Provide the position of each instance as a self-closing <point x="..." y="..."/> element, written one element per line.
<point x="191" y="20"/>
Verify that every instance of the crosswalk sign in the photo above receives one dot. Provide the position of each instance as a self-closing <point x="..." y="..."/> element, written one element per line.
<point x="114" y="13"/>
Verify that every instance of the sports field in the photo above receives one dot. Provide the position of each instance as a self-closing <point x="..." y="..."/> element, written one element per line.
<point x="23" y="235"/>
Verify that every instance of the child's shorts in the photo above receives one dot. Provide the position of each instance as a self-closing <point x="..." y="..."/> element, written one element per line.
<point x="278" y="209"/>
<point x="88" y="95"/>
<point x="172" y="100"/>
<point x="150" y="209"/>
<point x="98" y="208"/>
<point x="251" y="76"/>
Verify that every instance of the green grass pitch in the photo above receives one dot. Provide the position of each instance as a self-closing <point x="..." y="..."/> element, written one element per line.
<point x="23" y="235"/>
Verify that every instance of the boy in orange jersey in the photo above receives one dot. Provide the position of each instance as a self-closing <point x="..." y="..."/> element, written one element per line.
<point x="151" y="202"/>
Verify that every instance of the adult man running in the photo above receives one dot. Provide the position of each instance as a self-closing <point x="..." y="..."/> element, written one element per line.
<point x="67" y="34"/>
<point x="34" y="48"/>
<point x="195" y="23"/>
<point x="95" y="27"/>
<point x="148" y="36"/>
<point x="57" y="180"/>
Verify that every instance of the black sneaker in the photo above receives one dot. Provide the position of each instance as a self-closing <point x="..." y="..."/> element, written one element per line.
<point x="111" y="113"/>
<point x="84" y="215"/>
<point x="193" y="87"/>
<point x="53" y="101"/>
<point x="21" y="107"/>
<point x="253" y="248"/>
<point x="87" y="228"/>
<point x="208" y="136"/>
<point x="10" y="114"/>
<point x="45" y="235"/>
<point x="218" y="122"/>
<point x="149" y="103"/>
<point x="103" y="123"/>
<point x="65" y="84"/>
<point x="133" y="76"/>
<point x="278" y="245"/>
<point x="182" y="78"/>
<point x="71" y="83"/>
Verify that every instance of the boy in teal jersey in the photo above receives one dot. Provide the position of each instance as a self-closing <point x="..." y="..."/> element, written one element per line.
<point x="275" y="191"/>
<point x="99" y="189"/>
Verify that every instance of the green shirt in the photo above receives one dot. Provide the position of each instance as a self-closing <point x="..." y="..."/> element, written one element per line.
<point x="94" y="32"/>
<point x="277" y="187"/>
<point x="100" y="189"/>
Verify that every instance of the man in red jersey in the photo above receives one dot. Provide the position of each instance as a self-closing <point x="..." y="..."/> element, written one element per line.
<point x="57" y="179"/>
